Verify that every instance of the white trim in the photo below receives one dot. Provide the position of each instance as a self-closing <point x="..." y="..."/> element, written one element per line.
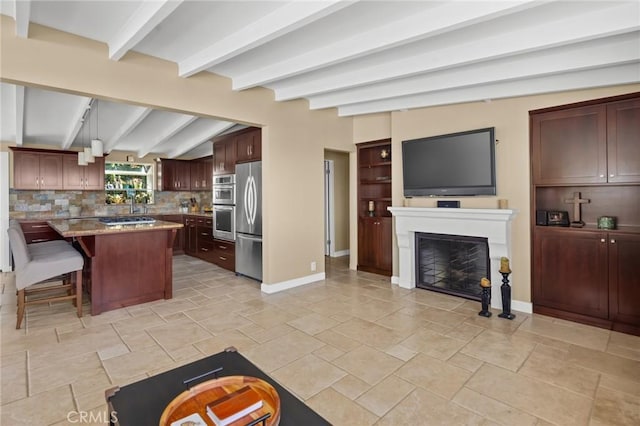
<point x="286" y="285"/>
<point x="341" y="253"/>
<point x="526" y="307"/>
<point x="395" y="280"/>
<point x="329" y="209"/>
<point x="5" y="264"/>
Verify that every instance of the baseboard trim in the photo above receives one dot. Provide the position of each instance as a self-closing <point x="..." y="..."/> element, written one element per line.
<point x="341" y="253"/>
<point x="526" y="307"/>
<point x="297" y="282"/>
<point x="395" y="280"/>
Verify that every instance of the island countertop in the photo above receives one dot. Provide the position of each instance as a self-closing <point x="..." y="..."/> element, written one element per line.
<point x="85" y="227"/>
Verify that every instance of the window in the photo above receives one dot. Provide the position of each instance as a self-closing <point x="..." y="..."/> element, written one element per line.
<point x="125" y="180"/>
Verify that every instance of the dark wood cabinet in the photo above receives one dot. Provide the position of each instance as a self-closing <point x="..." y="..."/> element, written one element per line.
<point x="38" y="232"/>
<point x="224" y="155"/>
<point x="224" y="254"/>
<point x="37" y="170"/>
<point x="89" y="177"/>
<point x="178" y="242"/>
<point x="587" y="274"/>
<point x="202" y="174"/>
<point x="175" y="175"/>
<point x="374" y="196"/>
<point x="249" y="146"/>
<point x="374" y="245"/>
<point x="190" y="235"/>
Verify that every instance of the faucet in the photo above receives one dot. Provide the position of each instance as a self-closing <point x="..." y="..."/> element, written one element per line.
<point x="133" y="208"/>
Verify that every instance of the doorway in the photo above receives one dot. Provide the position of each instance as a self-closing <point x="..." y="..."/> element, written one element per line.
<point x="336" y="203"/>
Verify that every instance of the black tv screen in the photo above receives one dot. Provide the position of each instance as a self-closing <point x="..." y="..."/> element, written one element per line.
<point x="455" y="164"/>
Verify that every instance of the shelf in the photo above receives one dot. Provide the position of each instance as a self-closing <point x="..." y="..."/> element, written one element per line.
<point x="379" y="164"/>
<point x="375" y="182"/>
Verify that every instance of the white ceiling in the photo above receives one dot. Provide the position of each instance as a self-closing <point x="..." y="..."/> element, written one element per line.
<point x="359" y="57"/>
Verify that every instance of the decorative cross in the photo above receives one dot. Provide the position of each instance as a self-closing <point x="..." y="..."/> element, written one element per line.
<point x="576" y="201"/>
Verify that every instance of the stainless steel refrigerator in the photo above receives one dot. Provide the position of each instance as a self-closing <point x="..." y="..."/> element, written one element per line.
<point x="249" y="219"/>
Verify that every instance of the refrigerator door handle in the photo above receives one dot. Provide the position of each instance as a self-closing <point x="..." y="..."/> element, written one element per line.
<point x="246" y="237"/>
<point x="250" y="200"/>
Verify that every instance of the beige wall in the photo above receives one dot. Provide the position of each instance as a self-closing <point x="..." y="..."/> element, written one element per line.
<point x="511" y="120"/>
<point x="341" y="197"/>
<point x="294" y="138"/>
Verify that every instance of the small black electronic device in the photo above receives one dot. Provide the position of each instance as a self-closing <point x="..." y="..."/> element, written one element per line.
<point x="452" y="204"/>
<point x="552" y="218"/>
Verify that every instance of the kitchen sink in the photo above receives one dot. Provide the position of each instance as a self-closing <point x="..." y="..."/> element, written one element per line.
<point x="126" y="220"/>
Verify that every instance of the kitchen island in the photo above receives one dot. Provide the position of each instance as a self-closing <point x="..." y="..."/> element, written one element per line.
<point x="124" y="264"/>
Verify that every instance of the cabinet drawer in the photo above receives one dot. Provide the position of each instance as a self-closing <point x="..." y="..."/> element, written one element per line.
<point x="226" y="247"/>
<point x="41" y="236"/>
<point x="205" y="233"/>
<point x="225" y="261"/>
<point x="206" y="251"/>
<point x="35" y="227"/>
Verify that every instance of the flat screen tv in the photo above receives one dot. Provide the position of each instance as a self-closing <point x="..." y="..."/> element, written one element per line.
<point x="457" y="164"/>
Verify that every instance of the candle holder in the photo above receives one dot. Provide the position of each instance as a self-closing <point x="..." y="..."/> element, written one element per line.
<point x="505" y="289"/>
<point x="485" y="297"/>
<point x="372" y="209"/>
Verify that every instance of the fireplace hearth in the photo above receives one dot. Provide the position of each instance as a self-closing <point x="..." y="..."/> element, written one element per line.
<point x="452" y="264"/>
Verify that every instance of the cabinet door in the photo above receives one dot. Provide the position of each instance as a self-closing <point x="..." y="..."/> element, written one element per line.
<point x="197" y="175"/>
<point x="367" y="242"/>
<point x="190" y="236"/>
<point x="94" y="175"/>
<point x="569" y="146"/>
<point x="623" y="141"/>
<point x="375" y="245"/>
<point x="26" y="170"/>
<point x="51" y="171"/>
<point x="183" y="175"/>
<point x="570" y="271"/>
<point x="230" y="156"/>
<point x="219" y="157"/>
<point x="169" y="182"/>
<point x="624" y="278"/>
<point x="207" y="167"/>
<point x="72" y="173"/>
<point x="248" y="146"/>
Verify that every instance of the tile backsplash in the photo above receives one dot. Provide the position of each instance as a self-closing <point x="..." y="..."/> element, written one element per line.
<point x="48" y="204"/>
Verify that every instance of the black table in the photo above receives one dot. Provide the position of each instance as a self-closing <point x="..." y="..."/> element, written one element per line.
<point x="143" y="402"/>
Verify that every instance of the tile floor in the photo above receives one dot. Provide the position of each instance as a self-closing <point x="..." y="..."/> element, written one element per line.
<point x="358" y="350"/>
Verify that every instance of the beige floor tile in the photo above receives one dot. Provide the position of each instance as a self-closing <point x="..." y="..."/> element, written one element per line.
<point x="115" y="350"/>
<point x="90" y="384"/>
<point x="173" y="306"/>
<point x="270" y="317"/>
<point x="502" y="350"/>
<point x="328" y="353"/>
<point x="386" y="394"/>
<point x="13" y="380"/>
<point x="281" y="351"/>
<point x="577" y="334"/>
<point x="423" y="408"/>
<point x="313" y="323"/>
<point x="179" y="334"/>
<point x="41" y="409"/>
<point x="552" y="369"/>
<point x="433" y="344"/>
<point x="401" y="352"/>
<point x="223" y="322"/>
<point x="369" y="333"/>
<point x="616" y="408"/>
<point x="467" y="362"/>
<point x="224" y="340"/>
<point x="631" y="387"/>
<point x="603" y="362"/>
<point x="262" y="335"/>
<point x="135" y="363"/>
<point x="340" y="341"/>
<point x="434" y="375"/>
<point x="368" y="364"/>
<point x="340" y="410"/>
<point x="74" y="368"/>
<point x="624" y="345"/>
<point x="308" y="375"/>
<point x="532" y="396"/>
<point x="145" y="319"/>
<point x="493" y="410"/>
<point x="351" y="387"/>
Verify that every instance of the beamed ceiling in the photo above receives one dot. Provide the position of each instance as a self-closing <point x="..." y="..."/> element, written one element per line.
<point x="358" y="57"/>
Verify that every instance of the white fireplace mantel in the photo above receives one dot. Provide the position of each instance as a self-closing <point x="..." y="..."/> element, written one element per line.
<point x="493" y="224"/>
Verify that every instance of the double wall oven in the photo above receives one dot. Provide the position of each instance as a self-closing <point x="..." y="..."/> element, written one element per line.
<point x="224" y="207"/>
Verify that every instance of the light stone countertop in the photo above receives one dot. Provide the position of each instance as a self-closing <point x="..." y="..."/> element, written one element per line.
<point x="85" y="227"/>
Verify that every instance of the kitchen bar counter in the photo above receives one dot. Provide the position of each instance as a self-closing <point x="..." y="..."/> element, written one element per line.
<point x="124" y="264"/>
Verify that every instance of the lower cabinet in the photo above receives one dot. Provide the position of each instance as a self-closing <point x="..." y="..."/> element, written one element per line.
<point x="224" y="254"/>
<point x="190" y="235"/>
<point x="591" y="276"/>
<point x="375" y="245"/>
<point x="38" y="232"/>
<point x="178" y="242"/>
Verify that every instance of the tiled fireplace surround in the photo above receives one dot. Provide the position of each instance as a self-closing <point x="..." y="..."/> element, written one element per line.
<point x="493" y="224"/>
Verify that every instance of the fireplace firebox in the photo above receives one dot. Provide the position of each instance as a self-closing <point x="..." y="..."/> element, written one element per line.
<point x="452" y="264"/>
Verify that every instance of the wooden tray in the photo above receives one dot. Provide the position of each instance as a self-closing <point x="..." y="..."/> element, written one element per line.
<point x="195" y="400"/>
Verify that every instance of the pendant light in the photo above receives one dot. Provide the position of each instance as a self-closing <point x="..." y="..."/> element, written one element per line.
<point x="88" y="156"/>
<point x="96" y="144"/>
<point x="82" y="161"/>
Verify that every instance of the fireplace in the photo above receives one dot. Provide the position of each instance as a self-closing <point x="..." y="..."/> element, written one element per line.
<point x="492" y="224"/>
<point x="451" y="264"/>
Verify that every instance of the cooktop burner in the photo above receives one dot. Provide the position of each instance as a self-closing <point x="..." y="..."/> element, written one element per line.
<point x="126" y="220"/>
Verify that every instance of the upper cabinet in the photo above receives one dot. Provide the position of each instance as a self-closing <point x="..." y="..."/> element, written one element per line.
<point x="174" y="175"/>
<point x="37" y="170"/>
<point x="89" y="177"/>
<point x="46" y="170"/>
<point x="249" y="146"/>
<point x="224" y="156"/>
<point x="238" y="147"/>
<point x="202" y="174"/>
<point x="592" y="144"/>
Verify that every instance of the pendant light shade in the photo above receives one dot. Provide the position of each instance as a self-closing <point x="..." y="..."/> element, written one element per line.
<point x="97" y="148"/>
<point x="88" y="157"/>
<point x="81" y="159"/>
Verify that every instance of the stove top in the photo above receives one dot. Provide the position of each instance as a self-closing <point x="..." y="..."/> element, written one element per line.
<point x="127" y="220"/>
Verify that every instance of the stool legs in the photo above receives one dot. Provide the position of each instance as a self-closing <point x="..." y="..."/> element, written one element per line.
<point x="78" y="299"/>
<point x="20" y="313"/>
